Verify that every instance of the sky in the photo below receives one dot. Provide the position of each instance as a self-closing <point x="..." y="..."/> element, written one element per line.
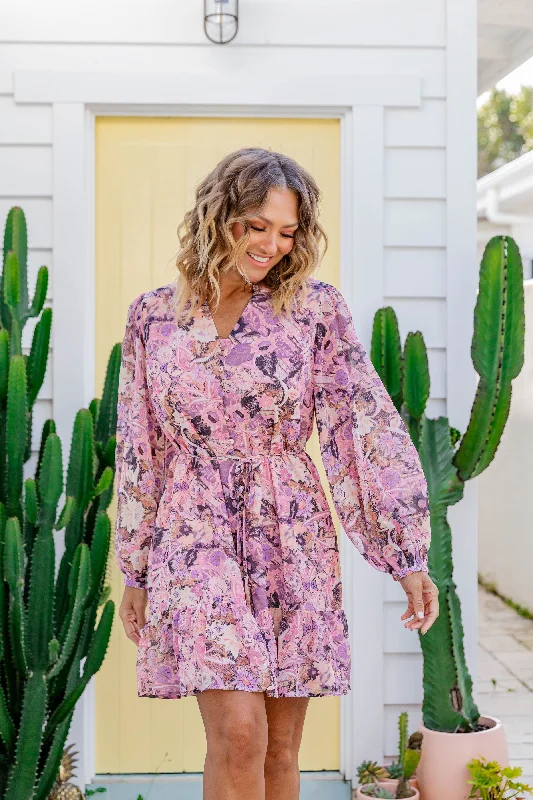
<point x="521" y="76"/>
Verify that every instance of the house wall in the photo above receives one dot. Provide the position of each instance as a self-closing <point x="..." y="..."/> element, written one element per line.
<point x="428" y="268"/>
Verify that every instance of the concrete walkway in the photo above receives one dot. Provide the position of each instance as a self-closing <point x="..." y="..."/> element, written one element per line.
<point x="505" y="676"/>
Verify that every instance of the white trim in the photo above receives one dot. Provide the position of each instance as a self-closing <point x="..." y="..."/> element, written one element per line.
<point x="187" y="92"/>
<point x="358" y="101"/>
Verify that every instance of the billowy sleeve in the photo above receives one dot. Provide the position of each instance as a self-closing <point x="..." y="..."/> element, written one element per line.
<point x="139" y="456"/>
<point x="373" y="468"/>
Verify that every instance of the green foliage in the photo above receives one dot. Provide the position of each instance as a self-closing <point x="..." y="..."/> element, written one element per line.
<point x="48" y="625"/>
<point x="403" y="722"/>
<point x="449" y="459"/>
<point x="490" y="781"/>
<point x="505" y="128"/>
<point x="395" y="769"/>
<point x="370" y="772"/>
<point x="374" y="790"/>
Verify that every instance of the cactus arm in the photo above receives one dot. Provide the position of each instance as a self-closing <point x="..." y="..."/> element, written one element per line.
<point x="40" y="600"/>
<point x="81" y="589"/>
<point x="106" y="418"/>
<point x="48" y="776"/>
<point x="497" y="352"/>
<point x="23" y="771"/>
<point x="14" y="576"/>
<point x="39" y="355"/>
<point x="39" y="297"/>
<point x="386" y="353"/>
<point x="16" y="239"/>
<point x="16" y="424"/>
<point x="416" y="383"/>
<point x="7" y="728"/>
<point x="402" y="743"/>
<point x="100" y="551"/>
<point x="412" y="759"/>
<point x="93" y="663"/>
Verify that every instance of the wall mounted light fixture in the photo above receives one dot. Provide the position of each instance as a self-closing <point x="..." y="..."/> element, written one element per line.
<point x="221" y="20"/>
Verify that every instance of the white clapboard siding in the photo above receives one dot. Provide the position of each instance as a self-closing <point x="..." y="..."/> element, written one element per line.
<point x="38" y="212"/>
<point x="402" y="677"/>
<point x="421" y="127"/>
<point x="24" y="124"/>
<point x="415" y="272"/>
<point x="418" y="314"/>
<point x="412" y="172"/>
<point x="429" y="63"/>
<point x="265" y="22"/>
<point x="436" y="408"/>
<point x="26" y="171"/>
<point x="42" y="411"/>
<point x="420" y="161"/>
<point x="397" y="639"/>
<point x="411" y="223"/>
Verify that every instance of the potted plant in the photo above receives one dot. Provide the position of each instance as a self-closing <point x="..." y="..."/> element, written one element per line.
<point x="395" y="771"/>
<point x="452" y="727"/>
<point x="396" y="780"/>
<point x="52" y="642"/>
<point x="403" y="786"/>
<point x="490" y="781"/>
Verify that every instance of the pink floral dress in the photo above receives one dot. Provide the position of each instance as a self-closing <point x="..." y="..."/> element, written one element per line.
<point x="221" y="515"/>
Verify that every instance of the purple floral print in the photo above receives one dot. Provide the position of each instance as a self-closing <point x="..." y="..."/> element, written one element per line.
<point x="221" y="515"/>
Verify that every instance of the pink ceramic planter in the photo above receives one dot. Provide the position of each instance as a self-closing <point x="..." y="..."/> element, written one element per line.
<point x="442" y="772"/>
<point x="361" y="796"/>
<point x="392" y="783"/>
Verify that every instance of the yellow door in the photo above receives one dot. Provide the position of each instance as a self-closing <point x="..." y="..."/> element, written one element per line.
<point x="146" y="173"/>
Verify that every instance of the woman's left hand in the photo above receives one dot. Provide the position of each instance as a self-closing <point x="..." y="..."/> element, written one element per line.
<point x="423" y="601"/>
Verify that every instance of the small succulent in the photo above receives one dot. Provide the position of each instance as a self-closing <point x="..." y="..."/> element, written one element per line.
<point x="370" y="772"/>
<point x="373" y="790"/>
<point x="395" y="769"/>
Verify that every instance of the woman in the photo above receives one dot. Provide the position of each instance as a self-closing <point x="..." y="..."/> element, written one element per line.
<point x="222" y="523"/>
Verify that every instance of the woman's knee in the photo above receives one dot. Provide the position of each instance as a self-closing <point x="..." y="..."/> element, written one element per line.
<point x="282" y="753"/>
<point x="236" y="726"/>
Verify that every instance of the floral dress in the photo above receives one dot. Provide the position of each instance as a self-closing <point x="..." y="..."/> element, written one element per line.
<point x="221" y="514"/>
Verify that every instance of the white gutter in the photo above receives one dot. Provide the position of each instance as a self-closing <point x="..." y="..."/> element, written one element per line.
<point x="493" y="214"/>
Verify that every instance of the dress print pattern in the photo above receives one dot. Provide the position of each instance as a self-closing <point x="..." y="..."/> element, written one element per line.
<point x="221" y="514"/>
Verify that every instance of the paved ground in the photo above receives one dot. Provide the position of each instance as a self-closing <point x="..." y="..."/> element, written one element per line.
<point x="505" y="676"/>
<point x="505" y="673"/>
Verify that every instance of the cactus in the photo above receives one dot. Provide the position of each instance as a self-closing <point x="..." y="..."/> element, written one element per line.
<point x="48" y="625"/>
<point x="448" y="459"/>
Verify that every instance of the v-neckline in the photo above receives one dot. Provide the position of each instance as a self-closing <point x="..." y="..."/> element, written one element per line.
<point x="231" y="335"/>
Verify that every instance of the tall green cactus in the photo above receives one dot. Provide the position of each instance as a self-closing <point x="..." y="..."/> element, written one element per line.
<point x="48" y="625"/>
<point x="498" y="356"/>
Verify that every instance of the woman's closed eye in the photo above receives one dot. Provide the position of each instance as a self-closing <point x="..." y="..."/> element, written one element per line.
<point x="287" y="235"/>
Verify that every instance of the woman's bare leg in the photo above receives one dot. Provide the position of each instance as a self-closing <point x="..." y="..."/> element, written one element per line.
<point x="236" y="730"/>
<point x="285" y="716"/>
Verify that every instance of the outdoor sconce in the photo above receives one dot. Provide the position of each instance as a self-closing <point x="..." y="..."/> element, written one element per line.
<point x="221" y="20"/>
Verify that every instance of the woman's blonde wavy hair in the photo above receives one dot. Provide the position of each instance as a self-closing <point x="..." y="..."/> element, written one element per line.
<point x="236" y="189"/>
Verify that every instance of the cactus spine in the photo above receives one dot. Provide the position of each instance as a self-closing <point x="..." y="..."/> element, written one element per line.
<point x="47" y="625"/>
<point x="498" y="356"/>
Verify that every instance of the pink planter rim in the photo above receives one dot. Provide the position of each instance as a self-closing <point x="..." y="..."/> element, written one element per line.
<point x="482" y="718"/>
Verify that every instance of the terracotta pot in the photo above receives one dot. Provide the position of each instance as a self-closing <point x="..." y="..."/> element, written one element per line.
<point x="392" y="783"/>
<point x="361" y="796"/>
<point x="442" y="771"/>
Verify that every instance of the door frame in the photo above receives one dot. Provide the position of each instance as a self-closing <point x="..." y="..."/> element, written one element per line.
<point x="359" y="102"/>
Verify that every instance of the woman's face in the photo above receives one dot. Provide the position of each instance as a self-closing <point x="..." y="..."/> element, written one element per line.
<point x="271" y="234"/>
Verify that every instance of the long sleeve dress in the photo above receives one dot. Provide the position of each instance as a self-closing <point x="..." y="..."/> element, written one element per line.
<point x="221" y="514"/>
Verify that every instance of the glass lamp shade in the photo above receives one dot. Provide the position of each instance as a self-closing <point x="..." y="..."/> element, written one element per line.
<point x="221" y="20"/>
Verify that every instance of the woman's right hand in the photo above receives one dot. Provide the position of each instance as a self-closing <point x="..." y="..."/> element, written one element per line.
<point x="132" y="611"/>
